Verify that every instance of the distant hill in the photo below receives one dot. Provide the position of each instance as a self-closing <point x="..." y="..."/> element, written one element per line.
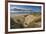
<point x="23" y="11"/>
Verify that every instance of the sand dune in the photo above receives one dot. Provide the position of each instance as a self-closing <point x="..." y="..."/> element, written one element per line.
<point x="28" y="20"/>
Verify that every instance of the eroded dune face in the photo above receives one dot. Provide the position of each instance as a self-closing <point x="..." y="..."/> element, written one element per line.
<point x="30" y="20"/>
<point x="19" y="19"/>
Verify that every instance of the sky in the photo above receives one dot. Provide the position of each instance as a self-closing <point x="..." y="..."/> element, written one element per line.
<point x="33" y="8"/>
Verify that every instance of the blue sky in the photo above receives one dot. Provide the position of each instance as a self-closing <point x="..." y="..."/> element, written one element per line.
<point x="33" y="8"/>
